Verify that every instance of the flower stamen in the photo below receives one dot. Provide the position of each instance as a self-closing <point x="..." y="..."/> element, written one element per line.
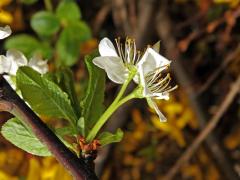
<point x="130" y="55"/>
<point x="157" y="84"/>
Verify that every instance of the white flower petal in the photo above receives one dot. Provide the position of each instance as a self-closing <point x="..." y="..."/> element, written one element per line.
<point x="156" y="47"/>
<point x="5" y="32"/>
<point x="159" y="113"/>
<point x="143" y="81"/>
<point x="38" y="64"/>
<point x="164" y="96"/>
<point x="106" y="48"/>
<point x="114" y="68"/>
<point x="5" y="65"/>
<point x="17" y="58"/>
<point x="152" y="60"/>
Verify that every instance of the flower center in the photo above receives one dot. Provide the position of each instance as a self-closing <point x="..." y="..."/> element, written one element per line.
<point x="157" y="82"/>
<point x="128" y="52"/>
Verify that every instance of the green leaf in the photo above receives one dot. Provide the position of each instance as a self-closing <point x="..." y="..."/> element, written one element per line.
<point x="92" y="105"/>
<point x="107" y="138"/>
<point x="21" y="136"/>
<point x="83" y="31"/>
<point x="64" y="79"/>
<point x="24" y="43"/>
<point x="68" y="11"/>
<point x="45" y="50"/>
<point x="44" y="96"/>
<point x="28" y="45"/>
<point x="68" y="45"/>
<point x="29" y="2"/>
<point x="65" y="131"/>
<point x="45" y="23"/>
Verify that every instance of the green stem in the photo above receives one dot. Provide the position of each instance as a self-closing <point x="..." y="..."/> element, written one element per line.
<point x="48" y="5"/>
<point x="116" y="103"/>
<point x="113" y="107"/>
<point x="124" y="100"/>
<point x="124" y="87"/>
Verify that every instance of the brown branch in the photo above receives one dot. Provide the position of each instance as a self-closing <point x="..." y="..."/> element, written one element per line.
<point x="206" y="131"/>
<point x="11" y="102"/>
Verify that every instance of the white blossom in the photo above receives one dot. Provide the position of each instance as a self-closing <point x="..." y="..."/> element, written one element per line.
<point x="5" y="32"/>
<point x="119" y="63"/>
<point x="38" y="64"/>
<point x="14" y="59"/>
<point x="156" y="85"/>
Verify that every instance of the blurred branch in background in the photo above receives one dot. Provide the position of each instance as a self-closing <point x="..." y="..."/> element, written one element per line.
<point x="165" y="32"/>
<point x="223" y="107"/>
<point x="230" y="57"/>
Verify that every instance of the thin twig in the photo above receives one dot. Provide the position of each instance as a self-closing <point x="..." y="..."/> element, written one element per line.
<point x="189" y="21"/>
<point x="132" y="15"/>
<point x="11" y="102"/>
<point x="145" y="20"/>
<point x="209" y="28"/>
<point x="120" y="15"/>
<point x="100" y="18"/>
<point x="230" y="57"/>
<point x="206" y="131"/>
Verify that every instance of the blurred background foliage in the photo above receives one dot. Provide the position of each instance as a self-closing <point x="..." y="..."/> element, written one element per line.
<point x="202" y="39"/>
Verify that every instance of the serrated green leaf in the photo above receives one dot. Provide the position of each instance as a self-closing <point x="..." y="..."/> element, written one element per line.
<point x="68" y="44"/>
<point x="107" y="137"/>
<point x="45" y="23"/>
<point x="64" y="79"/>
<point x="21" y="136"/>
<point x="28" y="45"/>
<point x="92" y="105"/>
<point x="68" y="11"/>
<point x="44" y="96"/>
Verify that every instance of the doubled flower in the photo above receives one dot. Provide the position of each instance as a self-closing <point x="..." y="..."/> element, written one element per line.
<point x="119" y="63"/>
<point x="5" y="32"/>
